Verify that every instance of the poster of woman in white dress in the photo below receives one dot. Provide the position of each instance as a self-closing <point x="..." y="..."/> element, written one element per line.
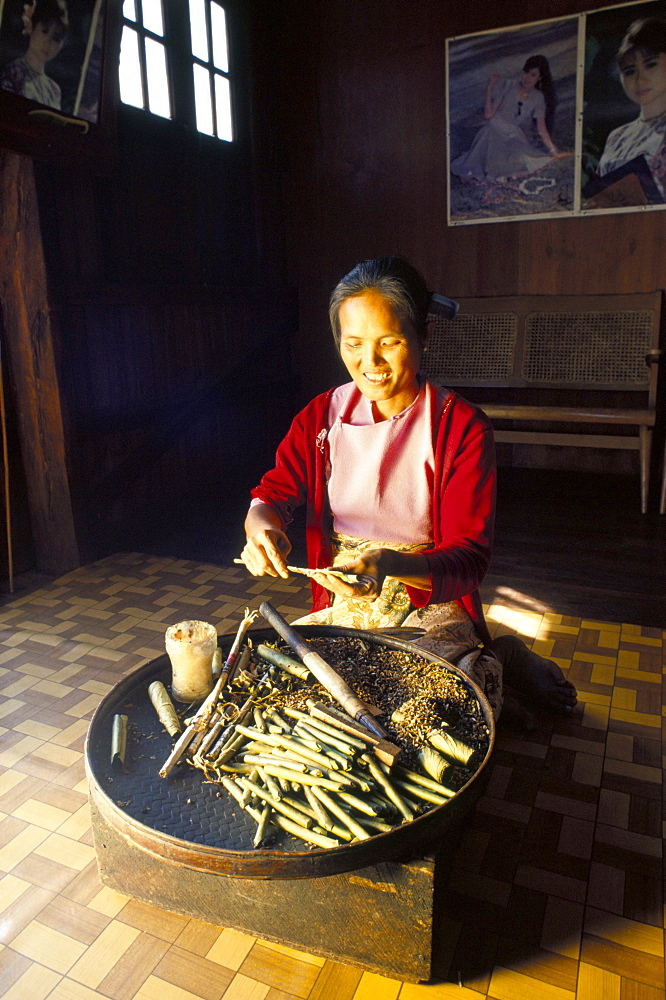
<point x="511" y="112"/>
<point x="51" y="53"/>
<point x="624" y="116"/>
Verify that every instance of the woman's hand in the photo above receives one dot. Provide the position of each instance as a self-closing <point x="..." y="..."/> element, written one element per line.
<point x="373" y="565"/>
<point x="267" y="546"/>
<point x="265" y="553"/>
<point x="545" y="137"/>
<point x="410" y="568"/>
<point x="493" y="79"/>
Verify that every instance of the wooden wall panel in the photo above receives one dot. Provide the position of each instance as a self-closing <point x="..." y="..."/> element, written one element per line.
<point x="171" y="315"/>
<point x="367" y="167"/>
<point x="361" y="99"/>
<point x="170" y="392"/>
<point x="170" y="311"/>
<point x="154" y="269"/>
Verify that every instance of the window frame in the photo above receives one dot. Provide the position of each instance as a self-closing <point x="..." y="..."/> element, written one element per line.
<point x="212" y="70"/>
<point x="180" y="61"/>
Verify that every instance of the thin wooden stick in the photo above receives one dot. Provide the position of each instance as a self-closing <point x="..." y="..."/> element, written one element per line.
<point x="229" y="664"/>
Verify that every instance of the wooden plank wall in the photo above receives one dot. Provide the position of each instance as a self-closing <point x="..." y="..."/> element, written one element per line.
<point x="179" y="262"/>
<point x="172" y="387"/>
<point x="367" y="158"/>
<point x="170" y="311"/>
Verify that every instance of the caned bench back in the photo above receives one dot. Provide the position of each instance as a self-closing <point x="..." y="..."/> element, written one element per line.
<point x="568" y="342"/>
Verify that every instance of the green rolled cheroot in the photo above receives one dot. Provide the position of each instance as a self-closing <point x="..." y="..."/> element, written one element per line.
<point x="262" y="826"/>
<point x="332" y="807"/>
<point x="278" y="805"/>
<point x="281" y="660"/>
<point x="421" y="792"/>
<point x="118" y="741"/>
<point x="318" y="839"/>
<point x="391" y="792"/>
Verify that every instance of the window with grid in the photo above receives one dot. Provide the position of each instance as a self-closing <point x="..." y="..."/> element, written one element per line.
<point x="174" y="62"/>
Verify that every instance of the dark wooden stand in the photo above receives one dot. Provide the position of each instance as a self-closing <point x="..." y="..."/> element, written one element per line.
<point x="382" y="918"/>
<point x="373" y="903"/>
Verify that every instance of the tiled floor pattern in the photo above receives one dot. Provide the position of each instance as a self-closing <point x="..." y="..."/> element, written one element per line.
<point x="556" y="891"/>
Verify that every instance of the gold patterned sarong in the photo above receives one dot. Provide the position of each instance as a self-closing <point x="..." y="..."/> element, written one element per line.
<point x="449" y="631"/>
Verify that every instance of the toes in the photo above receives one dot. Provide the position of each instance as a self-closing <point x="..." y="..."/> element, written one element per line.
<point x="565" y="690"/>
<point x="557" y="700"/>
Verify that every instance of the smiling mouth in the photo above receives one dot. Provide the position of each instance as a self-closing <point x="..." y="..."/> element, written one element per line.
<point x="376" y="378"/>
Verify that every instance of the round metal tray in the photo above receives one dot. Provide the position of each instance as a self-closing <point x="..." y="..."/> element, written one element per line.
<point x="186" y="820"/>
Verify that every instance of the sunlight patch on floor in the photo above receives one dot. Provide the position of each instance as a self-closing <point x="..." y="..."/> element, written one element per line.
<point x="523" y="615"/>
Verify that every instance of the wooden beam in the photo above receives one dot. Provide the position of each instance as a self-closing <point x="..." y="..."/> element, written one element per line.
<point x="569" y="414"/>
<point x="626" y="442"/>
<point x="27" y="324"/>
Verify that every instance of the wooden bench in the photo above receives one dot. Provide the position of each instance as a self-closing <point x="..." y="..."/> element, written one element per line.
<point x="568" y="362"/>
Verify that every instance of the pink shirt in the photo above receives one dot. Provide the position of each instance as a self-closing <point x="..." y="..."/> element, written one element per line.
<point x="381" y="481"/>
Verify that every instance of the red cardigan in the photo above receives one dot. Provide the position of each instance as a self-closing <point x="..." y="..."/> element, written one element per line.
<point x="463" y="499"/>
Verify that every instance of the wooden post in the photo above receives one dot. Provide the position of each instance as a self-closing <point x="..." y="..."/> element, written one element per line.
<point x="27" y="324"/>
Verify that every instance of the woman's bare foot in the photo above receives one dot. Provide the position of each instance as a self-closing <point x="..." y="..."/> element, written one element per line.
<point x="539" y="679"/>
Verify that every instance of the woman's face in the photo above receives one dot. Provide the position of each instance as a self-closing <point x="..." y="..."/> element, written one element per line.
<point x="381" y="352"/>
<point x="644" y="81"/>
<point x="529" y="78"/>
<point x="46" y="41"/>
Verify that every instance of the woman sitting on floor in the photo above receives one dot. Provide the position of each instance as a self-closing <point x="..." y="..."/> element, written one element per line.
<point x="398" y="476"/>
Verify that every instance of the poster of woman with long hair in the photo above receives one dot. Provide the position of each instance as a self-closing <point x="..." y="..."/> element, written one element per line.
<point x="511" y="122"/>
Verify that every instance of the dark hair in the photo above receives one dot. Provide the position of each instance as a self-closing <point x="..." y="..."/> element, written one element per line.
<point x="647" y="36"/>
<point x="546" y="85"/>
<point x="49" y="11"/>
<point x="394" y="278"/>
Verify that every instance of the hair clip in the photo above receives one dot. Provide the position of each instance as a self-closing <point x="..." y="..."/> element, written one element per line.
<point x="447" y="307"/>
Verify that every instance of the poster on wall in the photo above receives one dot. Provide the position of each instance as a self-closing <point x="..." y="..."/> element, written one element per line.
<point x="623" y="139"/>
<point x="51" y="53"/>
<point x="512" y="122"/>
<point x="558" y="118"/>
